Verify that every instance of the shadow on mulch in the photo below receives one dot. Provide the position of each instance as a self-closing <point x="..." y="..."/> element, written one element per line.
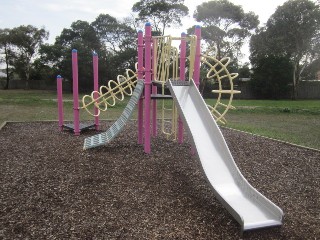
<point x="51" y="188"/>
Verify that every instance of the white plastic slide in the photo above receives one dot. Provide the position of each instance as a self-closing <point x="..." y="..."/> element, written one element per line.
<point x="249" y="207"/>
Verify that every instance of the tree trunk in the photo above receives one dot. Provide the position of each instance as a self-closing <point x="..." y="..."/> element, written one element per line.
<point x="7" y="82"/>
<point x="27" y="86"/>
<point x="7" y="67"/>
<point x="295" y="82"/>
<point x="218" y="52"/>
<point x="8" y="78"/>
<point x="203" y="87"/>
<point x="294" y="92"/>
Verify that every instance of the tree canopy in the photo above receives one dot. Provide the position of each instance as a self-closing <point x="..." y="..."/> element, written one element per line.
<point x="118" y="38"/>
<point x="22" y="44"/>
<point x="226" y="25"/>
<point x="271" y="76"/>
<point x="113" y="40"/>
<point x="161" y="13"/>
<point x="23" y="51"/>
<point x="293" y="31"/>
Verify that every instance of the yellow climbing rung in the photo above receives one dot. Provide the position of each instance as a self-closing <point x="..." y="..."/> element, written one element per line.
<point x="226" y="91"/>
<point x="114" y="91"/>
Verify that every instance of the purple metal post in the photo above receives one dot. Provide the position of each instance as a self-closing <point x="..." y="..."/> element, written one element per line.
<point x="183" y="46"/>
<point x="196" y="71"/>
<point x="76" y="114"/>
<point x="60" y="102"/>
<point x="95" y="87"/>
<point x="147" y="88"/>
<point x="140" y="76"/>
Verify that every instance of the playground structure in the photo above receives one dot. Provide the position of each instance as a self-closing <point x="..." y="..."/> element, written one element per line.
<point x="158" y="61"/>
<point x="165" y="63"/>
<point x="160" y="64"/>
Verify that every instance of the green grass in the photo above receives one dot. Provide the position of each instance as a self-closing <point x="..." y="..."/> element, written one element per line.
<point x="275" y="106"/>
<point x="297" y="122"/>
<point x="22" y="105"/>
<point x="293" y="121"/>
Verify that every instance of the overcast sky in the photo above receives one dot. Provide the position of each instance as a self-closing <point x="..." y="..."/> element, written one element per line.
<point x="55" y="15"/>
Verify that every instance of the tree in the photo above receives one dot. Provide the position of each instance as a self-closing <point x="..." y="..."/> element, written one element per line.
<point x="47" y="66"/>
<point x="119" y="40"/>
<point x="310" y="72"/>
<point x="293" y="31"/>
<point x="80" y="33"/>
<point x="82" y="37"/>
<point x="161" y="13"/>
<point x="226" y="25"/>
<point x="271" y="76"/>
<point x="6" y="53"/>
<point x="244" y="71"/>
<point x="113" y="40"/>
<point x="26" y="41"/>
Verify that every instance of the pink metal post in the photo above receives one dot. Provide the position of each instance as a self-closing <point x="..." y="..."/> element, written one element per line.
<point x="140" y="76"/>
<point x="147" y="88"/>
<point x="76" y="114"/>
<point x="60" y="102"/>
<point x="95" y="87"/>
<point x="154" y="113"/>
<point x="154" y="89"/>
<point x="183" y="45"/>
<point x="196" y="73"/>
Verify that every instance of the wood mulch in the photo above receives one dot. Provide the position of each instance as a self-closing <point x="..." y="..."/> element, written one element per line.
<point x="51" y="189"/>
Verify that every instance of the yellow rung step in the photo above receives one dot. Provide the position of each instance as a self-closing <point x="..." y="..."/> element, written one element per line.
<point x="226" y="91"/>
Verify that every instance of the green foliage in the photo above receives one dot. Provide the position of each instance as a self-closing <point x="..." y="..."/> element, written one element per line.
<point x="295" y="24"/>
<point x="26" y="41"/>
<point x="311" y="70"/>
<point x="20" y="45"/>
<point x="119" y="40"/>
<point x="271" y="77"/>
<point x="226" y="25"/>
<point x="80" y="36"/>
<point x="244" y="71"/>
<point x="114" y="41"/>
<point x="161" y="13"/>
<point x="24" y="52"/>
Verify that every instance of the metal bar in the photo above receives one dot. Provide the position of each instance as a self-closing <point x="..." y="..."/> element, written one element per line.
<point x="140" y="76"/>
<point x="147" y="89"/>
<point x="95" y="87"/>
<point x="60" y="102"/>
<point x="76" y="114"/>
